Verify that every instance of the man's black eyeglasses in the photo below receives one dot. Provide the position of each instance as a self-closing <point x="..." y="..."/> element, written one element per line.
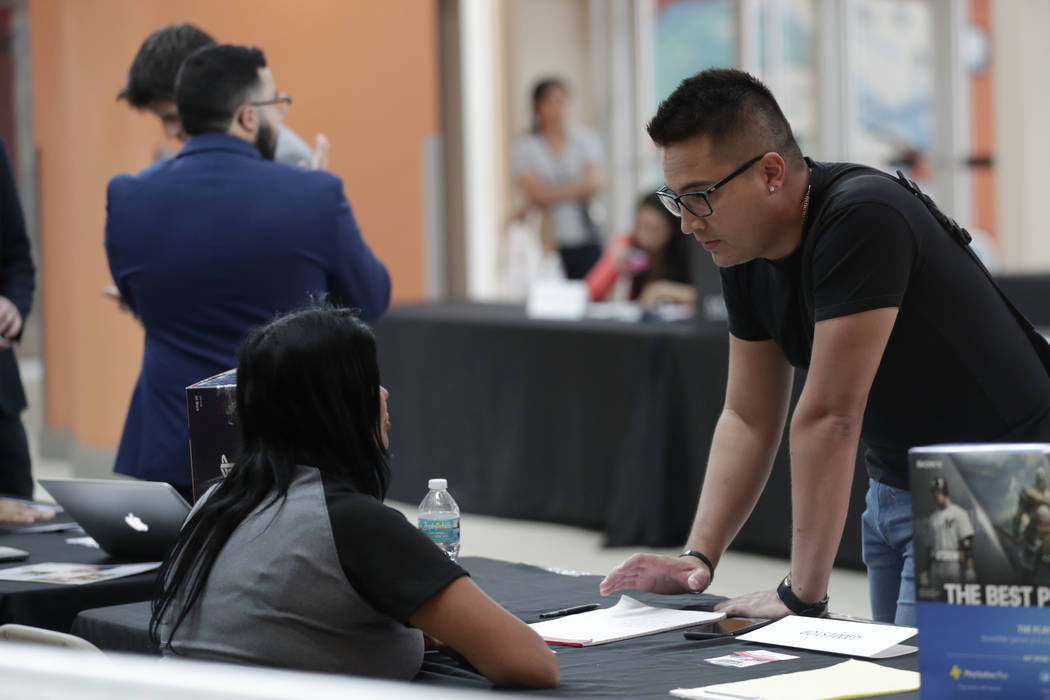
<point x="283" y="102"/>
<point x="698" y="203"/>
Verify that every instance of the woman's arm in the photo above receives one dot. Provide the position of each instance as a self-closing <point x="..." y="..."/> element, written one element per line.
<point x="541" y="195"/>
<point x="602" y="276"/>
<point x="677" y="292"/>
<point x="503" y="648"/>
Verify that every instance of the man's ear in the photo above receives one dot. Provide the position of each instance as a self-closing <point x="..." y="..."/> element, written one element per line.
<point x="247" y="118"/>
<point x="773" y="170"/>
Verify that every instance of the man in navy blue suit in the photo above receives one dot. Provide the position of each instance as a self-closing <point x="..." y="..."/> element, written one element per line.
<point x="16" y="296"/>
<point x="219" y="239"/>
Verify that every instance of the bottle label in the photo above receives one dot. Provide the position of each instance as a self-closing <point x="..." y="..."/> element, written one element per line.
<point x="440" y="530"/>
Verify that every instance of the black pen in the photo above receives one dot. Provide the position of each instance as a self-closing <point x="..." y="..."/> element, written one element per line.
<point x="569" y="611"/>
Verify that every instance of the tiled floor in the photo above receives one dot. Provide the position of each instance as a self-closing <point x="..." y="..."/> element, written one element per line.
<point x="542" y="544"/>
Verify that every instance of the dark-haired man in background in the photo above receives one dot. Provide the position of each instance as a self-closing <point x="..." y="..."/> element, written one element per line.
<point x="839" y="270"/>
<point x="219" y="239"/>
<point x="151" y="87"/>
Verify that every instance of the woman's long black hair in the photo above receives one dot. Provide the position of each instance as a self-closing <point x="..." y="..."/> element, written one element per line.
<point x="307" y="394"/>
<point x="673" y="263"/>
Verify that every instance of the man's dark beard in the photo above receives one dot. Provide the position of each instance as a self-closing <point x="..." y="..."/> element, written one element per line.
<point x="266" y="140"/>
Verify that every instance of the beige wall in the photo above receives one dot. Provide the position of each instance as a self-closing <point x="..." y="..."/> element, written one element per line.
<point x="1021" y="54"/>
<point x="362" y="72"/>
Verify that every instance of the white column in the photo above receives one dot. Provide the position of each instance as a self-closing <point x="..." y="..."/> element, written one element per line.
<point x="1020" y="53"/>
<point x="951" y="114"/>
<point x="832" y="31"/>
<point x="480" y="165"/>
<point x="646" y="155"/>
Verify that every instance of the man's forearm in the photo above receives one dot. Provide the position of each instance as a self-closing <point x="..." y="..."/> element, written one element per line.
<point x="823" y="454"/>
<point x="737" y="469"/>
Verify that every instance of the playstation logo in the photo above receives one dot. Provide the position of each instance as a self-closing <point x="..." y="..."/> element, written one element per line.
<point x="135" y="523"/>
<point x="955" y="672"/>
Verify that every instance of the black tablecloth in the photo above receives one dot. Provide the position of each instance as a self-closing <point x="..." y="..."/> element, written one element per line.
<point x="646" y="667"/>
<point x="53" y="605"/>
<point x="594" y="423"/>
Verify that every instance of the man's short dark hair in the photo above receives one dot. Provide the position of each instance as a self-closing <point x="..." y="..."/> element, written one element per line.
<point x="151" y="77"/>
<point x="733" y="109"/>
<point x="212" y="83"/>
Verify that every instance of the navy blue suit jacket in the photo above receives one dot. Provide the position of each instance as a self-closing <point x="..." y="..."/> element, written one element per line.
<point x="204" y="247"/>
<point x="16" y="281"/>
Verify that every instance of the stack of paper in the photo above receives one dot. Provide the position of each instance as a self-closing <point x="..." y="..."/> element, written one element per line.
<point x="628" y="618"/>
<point x="849" y="679"/>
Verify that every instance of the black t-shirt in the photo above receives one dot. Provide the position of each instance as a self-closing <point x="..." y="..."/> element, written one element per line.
<point x="958" y="366"/>
<point x="386" y="558"/>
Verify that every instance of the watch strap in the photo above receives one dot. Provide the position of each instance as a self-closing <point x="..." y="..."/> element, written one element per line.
<point x="702" y="558"/>
<point x="797" y="606"/>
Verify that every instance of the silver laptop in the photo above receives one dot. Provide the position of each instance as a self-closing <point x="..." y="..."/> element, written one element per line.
<point x="129" y="519"/>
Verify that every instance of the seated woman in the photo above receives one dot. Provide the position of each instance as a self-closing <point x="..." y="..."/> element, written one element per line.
<point x="651" y="263"/>
<point x="294" y="561"/>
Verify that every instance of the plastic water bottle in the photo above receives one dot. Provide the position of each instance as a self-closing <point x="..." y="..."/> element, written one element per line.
<point x="439" y="518"/>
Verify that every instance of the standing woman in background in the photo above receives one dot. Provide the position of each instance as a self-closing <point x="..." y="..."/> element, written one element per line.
<point x="558" y="168"/>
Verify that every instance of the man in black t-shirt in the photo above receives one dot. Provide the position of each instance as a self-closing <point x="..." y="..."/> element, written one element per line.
<point x="839" y="270"/>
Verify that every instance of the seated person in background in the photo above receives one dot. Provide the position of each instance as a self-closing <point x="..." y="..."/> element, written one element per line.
<point x="648" y="265"/>
<point x="294" y="561"/>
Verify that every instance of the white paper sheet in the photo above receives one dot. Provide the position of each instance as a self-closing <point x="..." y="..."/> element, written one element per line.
<point x="869" y="640"/>
<point x="849" y="679"/>
<point x="628" y="618"/>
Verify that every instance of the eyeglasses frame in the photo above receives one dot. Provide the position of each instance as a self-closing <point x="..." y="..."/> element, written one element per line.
<point x="281" y="99"/>
<point x="674" y="202"/>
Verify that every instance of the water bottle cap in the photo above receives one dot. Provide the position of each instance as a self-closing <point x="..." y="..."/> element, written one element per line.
<point x="438" y="484"/>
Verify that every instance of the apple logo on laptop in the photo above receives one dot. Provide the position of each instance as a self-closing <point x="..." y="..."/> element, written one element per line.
<point x="135" y="523"/>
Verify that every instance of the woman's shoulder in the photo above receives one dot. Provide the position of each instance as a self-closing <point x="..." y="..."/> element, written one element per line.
<point x="348" y="504"/>
<point x="528" y="140"/>
<point x="581" y="134"/>
<point x="528" y="144"/>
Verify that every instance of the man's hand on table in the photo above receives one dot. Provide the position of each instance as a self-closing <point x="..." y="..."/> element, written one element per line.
<point x="762" y="604"/>
<point x="12" y="512"/>
<point x="658" y="573"/>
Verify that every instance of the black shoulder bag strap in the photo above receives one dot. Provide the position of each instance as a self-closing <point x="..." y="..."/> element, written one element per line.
<point x="963" y="238"/>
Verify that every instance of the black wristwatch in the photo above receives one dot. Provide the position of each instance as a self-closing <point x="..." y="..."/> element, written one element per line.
<point x="796" y="606"/>
<point x="702" y="558"/>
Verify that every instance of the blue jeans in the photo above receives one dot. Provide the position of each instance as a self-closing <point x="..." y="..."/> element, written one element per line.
<point x="886" y="537"/>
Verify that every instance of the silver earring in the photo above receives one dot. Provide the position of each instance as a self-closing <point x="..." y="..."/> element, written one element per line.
<point x="772" y="189"/>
